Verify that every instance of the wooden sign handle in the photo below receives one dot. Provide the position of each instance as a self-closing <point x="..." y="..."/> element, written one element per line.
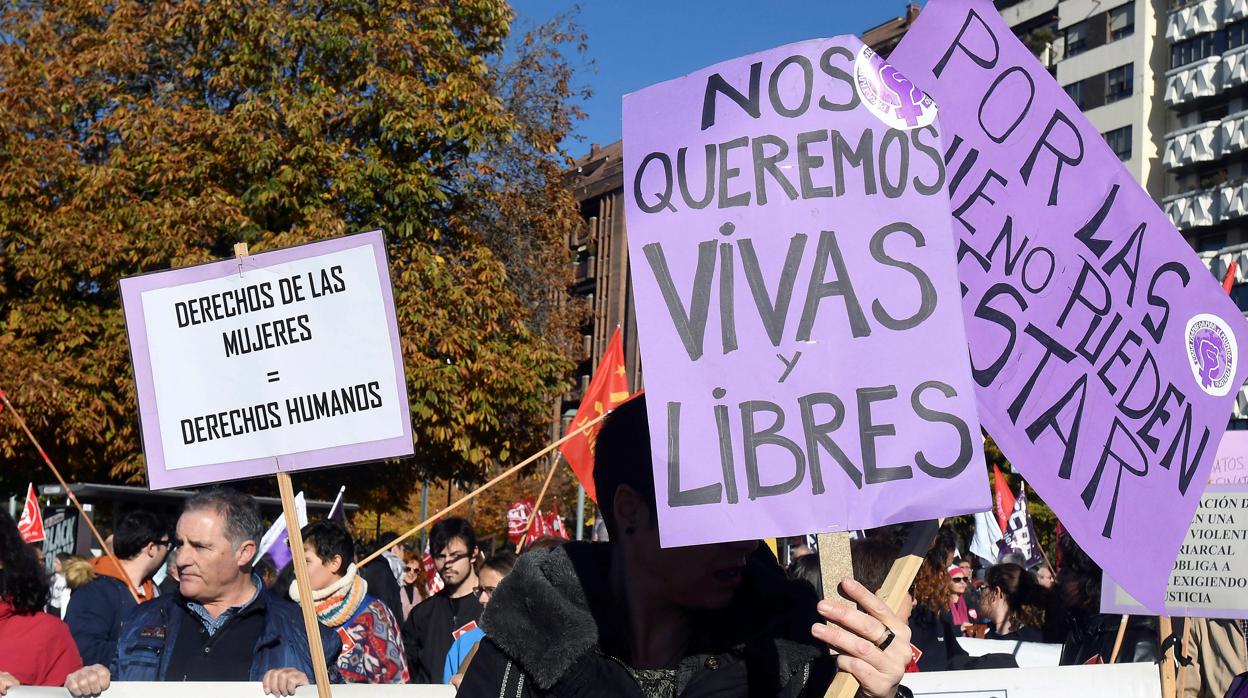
<point x="310" y="623"/>
<point x="896" y="584"/>
<point x="1165" y="629"/>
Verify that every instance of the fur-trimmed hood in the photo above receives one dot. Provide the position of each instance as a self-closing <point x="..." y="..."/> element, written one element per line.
<point x="555" y="606"/>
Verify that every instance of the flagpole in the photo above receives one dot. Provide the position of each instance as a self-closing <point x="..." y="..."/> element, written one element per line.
<point x="497" y="479"/>
<point x="70" y="493"/>
<point x="580" y="512"/>
<point x="538" y="504"/>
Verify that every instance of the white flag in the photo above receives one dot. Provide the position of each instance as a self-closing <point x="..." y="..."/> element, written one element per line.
<point x="987" y="533"/>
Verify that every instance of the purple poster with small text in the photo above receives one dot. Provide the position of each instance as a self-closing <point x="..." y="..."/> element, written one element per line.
<point x="1104" y="353"/>
<point x="797" y="300"/>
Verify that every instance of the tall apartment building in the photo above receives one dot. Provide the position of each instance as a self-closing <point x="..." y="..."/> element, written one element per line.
<point x="1110" y="59"/>
<point x="1205" y="150"/>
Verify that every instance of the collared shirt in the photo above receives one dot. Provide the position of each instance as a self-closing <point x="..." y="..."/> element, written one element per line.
<point x="212" y="625"/>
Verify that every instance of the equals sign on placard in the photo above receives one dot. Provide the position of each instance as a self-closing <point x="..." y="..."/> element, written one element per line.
<point x="273" y="377"/>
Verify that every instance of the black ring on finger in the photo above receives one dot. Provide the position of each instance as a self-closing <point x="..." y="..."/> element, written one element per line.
<point x="887" y="640"/>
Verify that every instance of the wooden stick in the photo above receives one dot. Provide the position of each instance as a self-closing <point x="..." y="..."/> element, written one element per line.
<point x="835" y="563"/>
<point x="70" y="493"/>
<point x="1187" y="631"/>
<point x="1122" y="632"/>
<point x="497" y="479"/>
<point x="1165" y="629"/>
<point x="306" y="603"/>
<point x="896" y="584"/>
<point x="538" y="504"/>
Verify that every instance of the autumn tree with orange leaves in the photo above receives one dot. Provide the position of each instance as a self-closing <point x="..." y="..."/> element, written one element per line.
<point x="138" y="136"/>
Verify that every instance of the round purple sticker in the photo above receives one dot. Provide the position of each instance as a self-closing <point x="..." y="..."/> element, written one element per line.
<point x="889" y="94"/>
<point x="1211" y="351"/>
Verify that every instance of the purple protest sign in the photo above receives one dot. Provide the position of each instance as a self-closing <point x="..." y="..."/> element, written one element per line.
<point x="1230" y="465"/>
<point x="797" y="300"/>
<point x="280" y="361"/>
<point x="1103" y="351"/>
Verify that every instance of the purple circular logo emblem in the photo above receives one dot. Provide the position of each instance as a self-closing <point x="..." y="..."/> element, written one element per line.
<point x="889" y="94"/>
<point x="1211" y="351"/>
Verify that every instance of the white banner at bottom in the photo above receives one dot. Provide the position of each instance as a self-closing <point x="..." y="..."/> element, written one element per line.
<point x="215" y="689"/>
<point x="1118" y="680"/>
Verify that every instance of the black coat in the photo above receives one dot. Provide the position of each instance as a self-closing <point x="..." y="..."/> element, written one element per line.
<point x="935" y="636"/>
<point x="427" y="633"/>
<point x="554" y="629"/>
<point x="1092" y="635"/>
<point x="383" y="585"/>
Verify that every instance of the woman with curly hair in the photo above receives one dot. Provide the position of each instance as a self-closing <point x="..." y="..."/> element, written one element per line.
<point x="35" y="648"/>
<point x="1014" y="601"/>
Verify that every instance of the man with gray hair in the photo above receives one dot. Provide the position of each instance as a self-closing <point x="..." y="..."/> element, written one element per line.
<point x="221" y="625"/>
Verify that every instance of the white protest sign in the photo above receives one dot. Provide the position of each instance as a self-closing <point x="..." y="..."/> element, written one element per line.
<point x="281" y="361"/>
<point x="1027" y="654"/>
<point x="1120" y="680"/>
<point x="1210" y="576"/>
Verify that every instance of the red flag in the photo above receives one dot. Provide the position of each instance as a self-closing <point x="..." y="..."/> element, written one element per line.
<point x="1229" y="280"/>
<point x="518" y="519"/>
<point x="1003" y="497"/>
<point x="31" y="524"/>
<point x="433" y="580"/>
<point x="554" y="523"/>
<point x="608" y="388"/>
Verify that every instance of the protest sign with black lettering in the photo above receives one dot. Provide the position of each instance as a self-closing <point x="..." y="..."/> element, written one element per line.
<point x="798" y="310"/>
<point x="1119" y="680"/>
<point x="279" y="361"/>
<point x="1210" y="576"/>
<point x="1104" y="353"/>
<point x="61" y="526"/>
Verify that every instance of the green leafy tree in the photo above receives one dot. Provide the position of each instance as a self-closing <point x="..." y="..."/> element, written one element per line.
<point x="140" y="135"/>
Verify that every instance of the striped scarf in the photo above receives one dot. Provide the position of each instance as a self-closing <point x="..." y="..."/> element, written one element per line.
<point x="337" y="603"/>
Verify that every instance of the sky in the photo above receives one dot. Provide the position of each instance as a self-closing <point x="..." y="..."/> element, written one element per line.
<point x="637" y="43"/>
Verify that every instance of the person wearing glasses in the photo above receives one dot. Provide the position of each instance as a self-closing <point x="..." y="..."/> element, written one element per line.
<point x="140" y="543"/>
<point x="491" y="575"/>
<point x="436" y="623"/>
<point x="413" y="590"/>
<point x="963" y="615"/>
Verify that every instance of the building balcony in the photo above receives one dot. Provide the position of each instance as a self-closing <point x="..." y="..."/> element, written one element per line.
<point x="1193" y="81"/>
<point x="1235" y="67"/>
<point x="1192" y="145"/>
<point x="1194" y="19"/>
<point x="1233" y="133"/>
<point x="1235" y="10"/>
<point x="1232" y="201"/>
<point x="1191" y="210"/>
<point x="1219" y="261"/>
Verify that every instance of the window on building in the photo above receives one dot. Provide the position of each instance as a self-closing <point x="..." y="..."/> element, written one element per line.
<point x="1211" y="242"/>
<point x="1237" y="34"/>
<point x="1076" y="39"/>
<point x="1119" y="83"/>
<point x="1214" y="113"/>
<point x="1192" y="50"/>
<point x="1075" y="92"/>
<point x="1122" y="21"/>
<point x="1119" y="141"/>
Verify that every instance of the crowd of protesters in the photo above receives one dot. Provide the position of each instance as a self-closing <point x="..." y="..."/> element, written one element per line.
<point x="624" y="617"/>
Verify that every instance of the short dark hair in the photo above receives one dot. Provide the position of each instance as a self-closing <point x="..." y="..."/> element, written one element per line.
<point x="329" y="538"/>
<point x="240" y="511"/>
<point x="622" y="457"/>
<point x="501" y="562"/>
<point x="447" y="530"/>
<point x="135" y="530"/>
<point x="23" y="581"/>
<point x="872" y="559"/>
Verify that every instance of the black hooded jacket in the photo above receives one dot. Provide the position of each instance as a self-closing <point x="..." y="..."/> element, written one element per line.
<point x="553" y="629"/>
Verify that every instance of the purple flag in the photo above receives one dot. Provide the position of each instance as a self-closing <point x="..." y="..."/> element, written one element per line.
<point x="1020" y="534"/>
<point x="1105" y="354"/>
<point x="798" y="306"/>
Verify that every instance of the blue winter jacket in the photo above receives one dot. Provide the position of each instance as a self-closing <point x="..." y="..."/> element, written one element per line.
<point x="94" y="617"/>
<point x="151" y="628"/>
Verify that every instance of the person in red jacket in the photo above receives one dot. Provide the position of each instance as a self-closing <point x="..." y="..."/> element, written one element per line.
<point x="35" y="648"/>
